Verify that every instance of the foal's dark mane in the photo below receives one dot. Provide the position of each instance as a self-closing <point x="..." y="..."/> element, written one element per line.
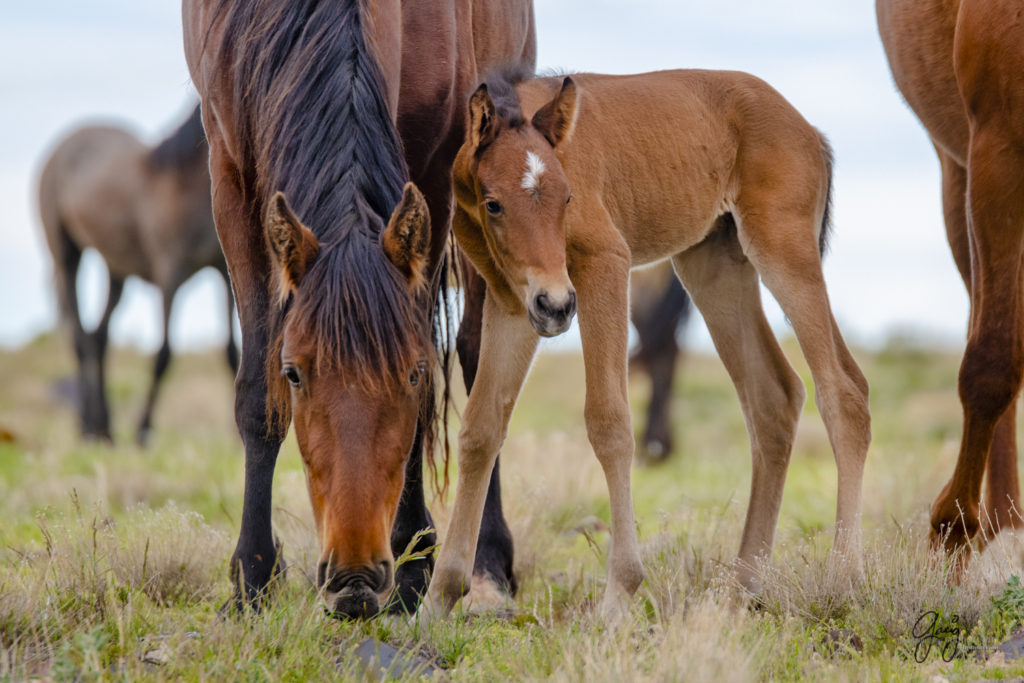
<point x="501" y="86"/>
<point x="183" y="147"/>
<point x="312" y="122"/>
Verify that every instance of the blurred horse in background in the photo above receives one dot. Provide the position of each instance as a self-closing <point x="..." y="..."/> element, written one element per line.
<point x="960" y="66"/>
<point x="148" y="213"/>
<point x="660" y="310"/>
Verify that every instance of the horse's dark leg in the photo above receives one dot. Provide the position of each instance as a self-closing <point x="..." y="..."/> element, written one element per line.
<point x="993" y="364"/>
<point x="256" y="557"/>
<point x="160" y="364"/>
<point x="232" y="348"/>
<point x="1003" y="489"/>
<point x="412" y="576"/>
<point x="659" y="350"/>
<point x="494" y="549"/>
<point x="95" y="362"/>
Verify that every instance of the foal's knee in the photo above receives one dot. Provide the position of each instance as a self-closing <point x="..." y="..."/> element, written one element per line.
<point x="610" y="433"/>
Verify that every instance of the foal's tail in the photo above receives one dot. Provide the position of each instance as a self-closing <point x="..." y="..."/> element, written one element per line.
<point x="826" y="218"/>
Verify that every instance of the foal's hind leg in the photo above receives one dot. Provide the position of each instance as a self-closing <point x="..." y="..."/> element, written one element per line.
<point x="783" y="246"/>
<point x="725" y="289"/>
<point x="1003" y="490"/>
<point x="93" y="361"/>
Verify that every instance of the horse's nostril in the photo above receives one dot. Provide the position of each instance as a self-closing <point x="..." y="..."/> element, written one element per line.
<point x="321" y="575"/>
<point x="543" y="304"/>
<point x="570" y="308"/>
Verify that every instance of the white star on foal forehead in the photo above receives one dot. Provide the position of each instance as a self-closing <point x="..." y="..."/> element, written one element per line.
<point x="534" y="170"/>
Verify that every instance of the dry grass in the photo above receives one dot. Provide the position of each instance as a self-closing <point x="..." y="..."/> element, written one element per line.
<point x="113" y="560"/>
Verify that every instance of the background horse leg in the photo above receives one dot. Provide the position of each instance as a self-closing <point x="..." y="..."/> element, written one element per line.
<point x="602" y="289"/>
<point x="232" y="348"/>
<point x="494" y="549"/>
<point x="95" y="362"/>
<point x="725" y="287"/>
<point x="992" y="367"/>
<point x="160" y="364"/>
<point x="256" y="557"/>
<point x="791" y="269"/>
<point x="507" y="347"/>
<point x="1003" y="490"/>
<point x="656" y="327"/>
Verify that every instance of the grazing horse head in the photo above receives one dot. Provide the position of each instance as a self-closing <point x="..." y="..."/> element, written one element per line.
<point x="354" y="424"/>
<point x="509" y="178"/>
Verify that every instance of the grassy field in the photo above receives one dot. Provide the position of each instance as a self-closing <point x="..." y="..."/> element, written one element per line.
<point x="113" y="560"/>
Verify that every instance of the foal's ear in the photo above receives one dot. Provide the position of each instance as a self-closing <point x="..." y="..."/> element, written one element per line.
<point x="482" y="118"/>
<point x="292" y="245"/>
<point x="556" y="119"/>
<point x="406" y="240"/>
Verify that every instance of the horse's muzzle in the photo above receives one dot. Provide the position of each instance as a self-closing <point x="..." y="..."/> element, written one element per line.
<point x="355" y="594"/>
<point x="550" y="316"/>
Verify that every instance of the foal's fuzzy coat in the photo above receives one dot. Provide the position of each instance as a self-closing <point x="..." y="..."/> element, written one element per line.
<point x="563" y="186"/>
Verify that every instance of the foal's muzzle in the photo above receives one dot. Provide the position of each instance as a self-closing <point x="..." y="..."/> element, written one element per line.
<point x="355" y="594"/>
<point x="551" y="316"/>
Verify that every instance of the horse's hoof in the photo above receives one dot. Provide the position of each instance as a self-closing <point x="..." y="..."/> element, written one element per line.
<point x="490" y="596"/>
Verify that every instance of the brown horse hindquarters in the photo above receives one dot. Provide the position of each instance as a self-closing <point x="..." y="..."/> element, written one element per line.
<point x="959" y="67"/>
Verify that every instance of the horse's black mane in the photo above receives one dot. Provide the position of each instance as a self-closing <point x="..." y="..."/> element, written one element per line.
<point x="184" y="146"/>
<point x="312" y="121"/>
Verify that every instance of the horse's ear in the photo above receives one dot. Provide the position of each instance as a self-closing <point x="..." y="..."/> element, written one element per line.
<point x="293" y="246"/>
<point x="556" y="119"/>
<point x="482" y="118"/>
<point x="406" y="240"/>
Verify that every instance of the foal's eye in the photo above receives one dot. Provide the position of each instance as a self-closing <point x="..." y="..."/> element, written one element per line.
<point x="291" y="373"/>
<point x="493" y="207"/>
<point x="568" y="199"/>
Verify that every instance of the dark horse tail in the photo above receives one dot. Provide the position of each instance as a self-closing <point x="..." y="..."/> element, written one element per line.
<point x="826" y="219"/>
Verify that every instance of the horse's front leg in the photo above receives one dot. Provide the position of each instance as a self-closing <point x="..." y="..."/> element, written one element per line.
<point x="494" y="550"/>
<point x="255" y="559"/>
<point x="507" y="347"/>
<point x="602" y="284"/>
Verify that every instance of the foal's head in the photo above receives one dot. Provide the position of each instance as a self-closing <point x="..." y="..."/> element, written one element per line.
<point x="510" y="181"/>
<point x="351" y="363"/>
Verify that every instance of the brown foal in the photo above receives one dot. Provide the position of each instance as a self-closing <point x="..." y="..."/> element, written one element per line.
<point x="563" y="186"/>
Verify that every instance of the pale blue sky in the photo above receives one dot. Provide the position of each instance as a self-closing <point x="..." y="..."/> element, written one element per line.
<point x="65" y="62"/>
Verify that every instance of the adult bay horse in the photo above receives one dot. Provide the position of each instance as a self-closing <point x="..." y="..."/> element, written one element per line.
<point x="147" y="212"/>
<point x="562" y="186"/>
<point x="960" y="66"/>
<point x="335" y="258"/>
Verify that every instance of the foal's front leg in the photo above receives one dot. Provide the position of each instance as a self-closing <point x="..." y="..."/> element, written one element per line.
<point x="506" y="351"/>
<point x="602" y="285"/>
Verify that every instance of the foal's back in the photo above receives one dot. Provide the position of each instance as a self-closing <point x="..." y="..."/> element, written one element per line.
<point x="669" y="152"/>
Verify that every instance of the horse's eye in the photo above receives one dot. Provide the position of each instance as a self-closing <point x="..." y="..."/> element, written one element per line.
<point x="493" y="207"/>
<point x="568" y="199"/>
<point x="414" y="376"/>
<point x="291" y="373"/>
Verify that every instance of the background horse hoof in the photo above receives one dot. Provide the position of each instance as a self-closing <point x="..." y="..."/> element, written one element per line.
<point x="488" y="595"/>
